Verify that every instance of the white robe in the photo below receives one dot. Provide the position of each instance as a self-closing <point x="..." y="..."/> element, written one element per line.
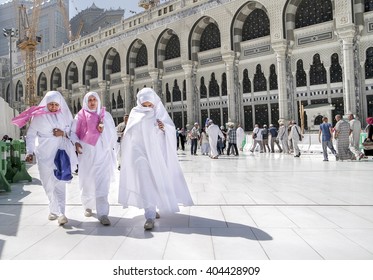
<point x="240" y="137"/>
<point x="97" y="163"/>
<point x="41" y="141"/>
<point x="150" y="174"/>
<point x="214" y="131"/>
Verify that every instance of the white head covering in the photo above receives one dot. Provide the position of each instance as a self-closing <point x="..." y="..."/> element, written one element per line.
<point x="85" y="102"/>
<point x="55" y="96"/>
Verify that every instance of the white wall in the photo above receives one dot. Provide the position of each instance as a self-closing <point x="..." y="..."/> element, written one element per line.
<point x="6" y="126"/>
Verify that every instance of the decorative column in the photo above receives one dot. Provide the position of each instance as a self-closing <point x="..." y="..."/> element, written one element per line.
<point x="105" y="95"/>
<point x="347" y="40"/>
<point x="280" y="48"/>
<point x="127" y="95"/>
<point x="154" y="74"/>
<point x="190" y="94"/>
<point x="229" y="59"/>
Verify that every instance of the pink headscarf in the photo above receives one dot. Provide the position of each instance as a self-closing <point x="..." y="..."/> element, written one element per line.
<point x="88" y="120"/>
<point x="42" y="109"/>
<point x="369" y="120"/>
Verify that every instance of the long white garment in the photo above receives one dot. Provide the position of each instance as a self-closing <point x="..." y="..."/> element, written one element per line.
<point x="214" y="131"/>
<point x="240" y="136"/>
<point x="97" y="163"/>
<point x="150" y="174"/>
<point x="41" y="141"/>
<point x="355" y="126"/>
<point x="294" y="133"/>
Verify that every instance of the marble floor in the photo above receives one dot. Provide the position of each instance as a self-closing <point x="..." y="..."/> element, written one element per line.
<point x="250" y="207"/>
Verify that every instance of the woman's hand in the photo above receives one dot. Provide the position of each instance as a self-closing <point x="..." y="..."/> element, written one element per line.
<point x="58" y="132"/>
<point x="29" y="158"/>
<point x="100" y="127"/>
<point x="160" y="125"/>
<point x="78" y="148"/>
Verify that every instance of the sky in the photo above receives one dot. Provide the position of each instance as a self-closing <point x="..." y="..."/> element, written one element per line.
<point x="78" y="5"/>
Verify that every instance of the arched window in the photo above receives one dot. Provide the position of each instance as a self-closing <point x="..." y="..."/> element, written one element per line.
<point x="173" y="48"/>
<point x="116" y="64"/>
<point x="368" y="5"/>
<point x="94" y="70"/>
<point x="310" y="12"/>
<point x="317" y="71"/>
<point x="210" y="38"/>
<point x="318" y="120"/>
<point x="369" y="63"/>
<point x="272" y="77"/>
<point x="176" y="93"/>
<point x="256" y="25"/>
<point x="246" y="82"/>
<point x="301" y="74"/>
<point x="224" y="90"/>
<point x="168" y="93"/>
<point x="335" y="69"/>
<point x="120" y="103"/>
<point x="260" y="82"/>
<point x="202" y="88"/>
<point x="142" y="57"/>
<point x="214" y="89"/>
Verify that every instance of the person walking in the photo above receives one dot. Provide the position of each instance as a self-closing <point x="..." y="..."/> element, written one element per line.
<point x="283" y="137"/>
<point x="296" y="137"/>
<point x="48" y="132"/>
<point x="355" y="130"/>
<point x="240" y="136"/>
<point x="325" y="138"/>
<point x="273" y="133"/>
<point x="265" y="138"/>
<point x="151" y="176"/>
<point x="95" y="139"/>
<point x="341" y="135"/>
<point x="232" y="139"/>
<point x="204" y="142"/>
<point x="214" y="132"/>
<point x="258" y="139"/>
<point x="120" y="131"/>
<point x="194" y="135"/>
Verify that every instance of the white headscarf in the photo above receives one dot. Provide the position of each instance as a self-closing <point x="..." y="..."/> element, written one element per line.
<point x="55" y="96"/>
<point x="85" y="102"/>
<point x="144" y="142"/>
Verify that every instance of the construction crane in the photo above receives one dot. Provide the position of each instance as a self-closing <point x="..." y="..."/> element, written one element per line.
<point x="28" y="40"/>
<point x="148" y="4"/>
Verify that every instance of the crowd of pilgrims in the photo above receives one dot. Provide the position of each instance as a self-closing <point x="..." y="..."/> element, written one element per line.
<point x="144" y="146"/>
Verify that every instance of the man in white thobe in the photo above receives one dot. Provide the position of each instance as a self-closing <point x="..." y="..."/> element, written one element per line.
<point x="214" y="131"/>
<point x="355" y="129"/>
<point x="240" y="136"/>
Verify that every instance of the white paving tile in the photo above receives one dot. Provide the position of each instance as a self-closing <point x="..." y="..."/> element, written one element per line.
<point x="269" y="216"/>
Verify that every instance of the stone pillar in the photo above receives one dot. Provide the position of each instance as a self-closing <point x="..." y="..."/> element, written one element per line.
<point x="281" y="51"/>
<point x="154" y="74"/>
<point x="229" y="59"/>
<point x="105" y="95"/>
<point x="190" y="94"/>
<point x="347" y="40"/>
<point x="127" y="95"/>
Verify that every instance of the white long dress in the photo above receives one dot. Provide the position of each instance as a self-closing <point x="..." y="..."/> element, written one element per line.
<point x="41" y="141"/>
<point x="150" y="174"/>
<point x="214" y="131"/>
<point x="96" y="165"/>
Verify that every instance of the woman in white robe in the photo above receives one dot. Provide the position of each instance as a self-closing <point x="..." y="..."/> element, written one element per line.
<point x="95" y="138"/>
<point x="150" y="175"/>
<point x="50" y="126"/>
<point x="214" y="131"/>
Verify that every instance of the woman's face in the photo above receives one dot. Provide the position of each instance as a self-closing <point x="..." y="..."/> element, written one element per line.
<point x="92" y="103"/>
<point x="147" y="104"/>
<point x="53" y="106"/>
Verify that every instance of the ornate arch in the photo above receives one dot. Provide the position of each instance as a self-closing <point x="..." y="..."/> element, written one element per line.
<point x="132" y="55"/>
<point x="19" y="91"/>
<point x="89" y="70"/>
<point x="56" y="79"/>
<point x="167" y="40"/>
<point x="42" y="84"/>
<point x="111" y="63"/>
<point x="71" y="75"/>
<point x="195" y="36"/>
<point x="239" y="21"/>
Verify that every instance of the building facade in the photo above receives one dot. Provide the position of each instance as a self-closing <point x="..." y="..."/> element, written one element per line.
<point x="243" y="61"/>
